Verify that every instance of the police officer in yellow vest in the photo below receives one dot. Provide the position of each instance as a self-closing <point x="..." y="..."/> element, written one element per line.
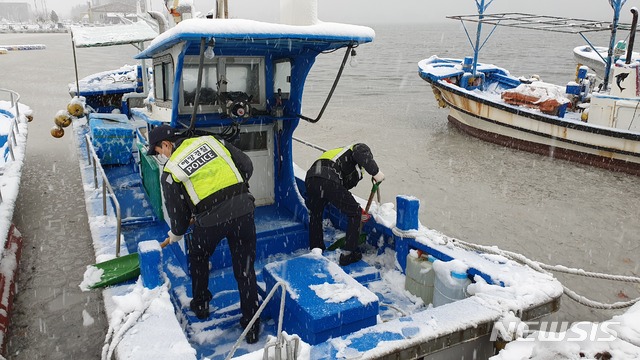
<point x="328" y="181"/>
<point x="207" y="180"/>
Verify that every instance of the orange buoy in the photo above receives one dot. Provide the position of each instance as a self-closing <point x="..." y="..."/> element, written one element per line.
<point x="57" y="131"/>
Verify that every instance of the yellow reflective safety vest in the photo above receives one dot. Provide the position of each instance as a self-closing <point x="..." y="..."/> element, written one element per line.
<point x="204" y="166"/>
<point x="335" y="154"/>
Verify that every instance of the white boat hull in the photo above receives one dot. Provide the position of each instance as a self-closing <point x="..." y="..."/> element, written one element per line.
<point x="585" y="55"/>
<point x="547" y="135"/>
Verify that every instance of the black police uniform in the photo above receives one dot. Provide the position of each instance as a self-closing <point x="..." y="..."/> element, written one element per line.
<point x="329" y="182"/>
<point x="227" y="213"/>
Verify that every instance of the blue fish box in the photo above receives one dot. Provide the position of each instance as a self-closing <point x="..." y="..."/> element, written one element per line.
<point x="112" y="135"/>
<point x="318" y="305"/>
<point x="573" y="88"/>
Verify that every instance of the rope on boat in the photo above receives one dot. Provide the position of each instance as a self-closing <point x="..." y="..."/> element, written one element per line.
<point x="314" y="146"/>
<point x="541" y="267"/>
<point x="117" y="330"/>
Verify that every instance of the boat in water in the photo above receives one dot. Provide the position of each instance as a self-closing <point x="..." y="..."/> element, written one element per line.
<point x="582" y="121"/>
<point x="595" y="57"/>
<point x="415" y="294"/>
<point x="14" y="117"/>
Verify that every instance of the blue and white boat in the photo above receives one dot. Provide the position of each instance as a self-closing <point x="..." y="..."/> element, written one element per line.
<point x="14" y="117"/>
<point x="582" y="121"/>
<point x="416" y="294"/>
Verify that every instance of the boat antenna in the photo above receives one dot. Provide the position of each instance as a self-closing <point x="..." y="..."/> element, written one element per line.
<point x="350" y="52"/>
<point x="196" y="101"/>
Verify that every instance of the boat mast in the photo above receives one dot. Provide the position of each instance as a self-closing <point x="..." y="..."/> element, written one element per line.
<point x="476" y="49"/>
<point x="616" y="5"/>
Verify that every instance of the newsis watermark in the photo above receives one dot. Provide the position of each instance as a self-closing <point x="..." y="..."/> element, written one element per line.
<point x="554" y="331"/>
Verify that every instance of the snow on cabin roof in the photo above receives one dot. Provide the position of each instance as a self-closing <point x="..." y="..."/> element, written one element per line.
<point x="332" y="35"/>
<point x="86" y="36"/>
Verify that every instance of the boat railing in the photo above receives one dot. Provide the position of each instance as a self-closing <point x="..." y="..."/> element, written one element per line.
<point x="14" y="129"/>
<point x="278" y="343"/>
<point x="106" y="187"/>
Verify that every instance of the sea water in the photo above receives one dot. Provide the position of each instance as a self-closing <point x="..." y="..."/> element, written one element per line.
<point x="549" y="210"/>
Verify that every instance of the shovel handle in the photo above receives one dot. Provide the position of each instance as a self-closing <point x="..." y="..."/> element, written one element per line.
<point x="165" y="242"/>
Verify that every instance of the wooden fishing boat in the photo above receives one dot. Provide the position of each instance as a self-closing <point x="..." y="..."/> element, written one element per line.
<point x="582" y="121"/>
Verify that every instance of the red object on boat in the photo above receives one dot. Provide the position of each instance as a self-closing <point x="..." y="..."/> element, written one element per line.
<point x="9" y="261"/>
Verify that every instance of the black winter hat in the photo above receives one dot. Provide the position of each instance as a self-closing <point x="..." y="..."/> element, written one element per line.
<point x="163" y="132"/>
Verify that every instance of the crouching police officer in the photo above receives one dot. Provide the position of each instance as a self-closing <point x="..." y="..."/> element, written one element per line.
<point x="328" y="181"/>
<point x="208" y="181"/>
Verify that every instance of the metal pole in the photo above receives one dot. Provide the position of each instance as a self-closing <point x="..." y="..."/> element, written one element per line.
<point x="75" y="64"/>
<point x="616" y="5"/>
<point x="476" y="49"/>
<point x="632" y="35"/>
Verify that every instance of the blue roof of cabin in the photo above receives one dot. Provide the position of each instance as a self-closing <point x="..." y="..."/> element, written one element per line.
<point x="237" y="32"/>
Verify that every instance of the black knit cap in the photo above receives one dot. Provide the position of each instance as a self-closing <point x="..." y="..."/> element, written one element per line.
<point x="163" y="132"/>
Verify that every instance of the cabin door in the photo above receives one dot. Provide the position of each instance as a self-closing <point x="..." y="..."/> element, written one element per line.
<point x="257" y="142"/>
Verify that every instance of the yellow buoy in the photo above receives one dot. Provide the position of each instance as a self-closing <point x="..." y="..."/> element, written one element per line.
<point x="62" y="119"/>
<point x="75" y="109"/>
<point x="585" y="115"/>
<point x="57" y="131"/>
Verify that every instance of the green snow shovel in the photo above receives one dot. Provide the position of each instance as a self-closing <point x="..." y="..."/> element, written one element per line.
<point x="120" y="269"/>
<point x="363" y="237"/>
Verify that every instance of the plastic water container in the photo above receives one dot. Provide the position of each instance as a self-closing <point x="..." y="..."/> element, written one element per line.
<point x="420" y="277"/>
<point x="450" y="285"/>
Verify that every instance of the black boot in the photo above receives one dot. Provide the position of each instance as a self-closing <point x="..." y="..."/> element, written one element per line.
<point x="351" y="258"/>
<point x="201" y="311"/>
<point x="254" y="333"/>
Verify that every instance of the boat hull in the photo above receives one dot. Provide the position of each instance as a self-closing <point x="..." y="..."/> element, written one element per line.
<point x="585" y="55"/>
<point x="532" y="131"/>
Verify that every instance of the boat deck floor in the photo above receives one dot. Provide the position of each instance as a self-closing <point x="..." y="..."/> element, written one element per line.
<point x="214" y="337"/>
<point x="279" y="236"/>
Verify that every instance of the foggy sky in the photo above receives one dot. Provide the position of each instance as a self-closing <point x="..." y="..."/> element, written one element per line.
<point x="367" y="12"/>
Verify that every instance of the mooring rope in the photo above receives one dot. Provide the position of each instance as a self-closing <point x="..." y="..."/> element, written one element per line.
<point x="541" y="267"/>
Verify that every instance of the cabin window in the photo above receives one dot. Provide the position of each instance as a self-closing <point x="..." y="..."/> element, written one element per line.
<point x="244" y="78"/>
<point x="251" y="141"/>
<point x="208" y="88"/>
<point x="282" y="79"/>
<point x="163" y="80"/>
<point x="220" y="75"/>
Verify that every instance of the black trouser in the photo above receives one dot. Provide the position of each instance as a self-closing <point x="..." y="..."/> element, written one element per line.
<point x="241" y="235"/>
<point x="321" y="192"/>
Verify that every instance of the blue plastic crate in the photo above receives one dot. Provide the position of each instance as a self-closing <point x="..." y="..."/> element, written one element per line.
<point x="315" y="319"/>
<point x="112" y="135"/>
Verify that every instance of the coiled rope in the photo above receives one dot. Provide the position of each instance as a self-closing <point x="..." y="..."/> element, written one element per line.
<point x="541" y="267"/>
